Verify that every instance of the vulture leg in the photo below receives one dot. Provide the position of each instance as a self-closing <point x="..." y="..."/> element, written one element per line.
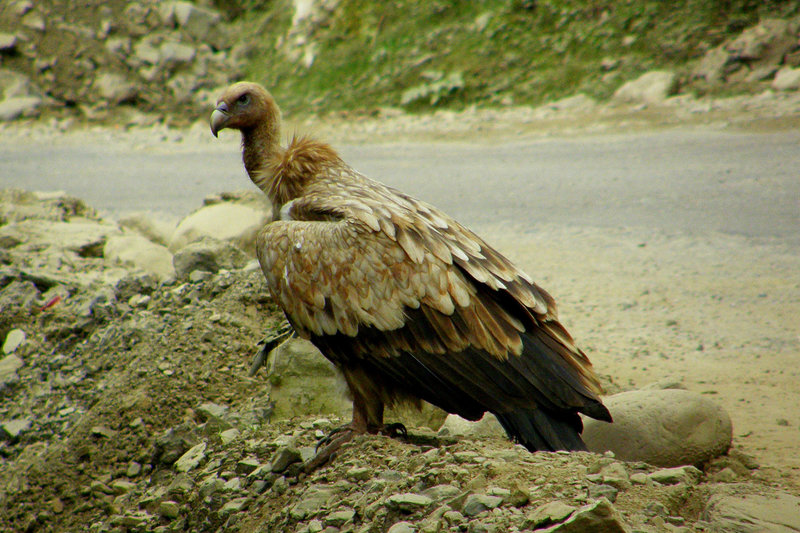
<point x="341" y="435"/>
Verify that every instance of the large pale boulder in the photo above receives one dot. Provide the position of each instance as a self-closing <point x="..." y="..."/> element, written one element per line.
<point x="235" y="223"/>
<point x="140" y="252"/>
<point x="651" y="88"/>
<point x="304" y="382"/>
<point x="669" y="427"/>
<point x="208" y="255"/>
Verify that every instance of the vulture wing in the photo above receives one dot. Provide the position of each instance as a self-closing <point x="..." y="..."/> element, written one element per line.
<point x="410" y="304"/>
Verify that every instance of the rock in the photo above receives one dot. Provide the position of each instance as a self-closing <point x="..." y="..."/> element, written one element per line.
<point x="14" y="340"/>
<point x="8" y="368"/>
<point x="13" y="428"/>
<point x="550" y="513"/>
<point x="284" y="457"/>
<point x="19" y="106"/>
<point x="408" y="502"/>
<point x="169" y="509"/>
<point x="442" y="492"/>
<point x="651" y="88"/>
<point x="598" y="517"/>
<point x="714" y="65"/>
<point x="478" y="503"/>
<point x="82" y="236"/>
<point x="173" y="54"/>
<point x="302" y="381"/>
<point x="192" y="458"/>
<point x="787" y="79"/>
<point x="207" y="255"/>
<point x="234" y="506"/>
<point x="237" y="224"/>
<point x="662" y="427"/>
<point x="488" y="426"/>
<point x="731" y="510"/>
<point x="340" y="518"/>
<point x="8" y="42"/>
<point x="314" y="498"/>
<point x="247" y="465"/>
<point x="764" y="44"/>
<point x="229" y="435"/>
<point x="603" y="491"/>
<point x="147" y="225"/>
<point x="139" y="252"/>
<point x="194" y="20"/>
<point x="679" y="474"/>
<point x="115" y="88"/>
<point x="402" y="527"/>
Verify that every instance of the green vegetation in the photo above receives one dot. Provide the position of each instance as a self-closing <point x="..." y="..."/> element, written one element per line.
<point x="458" y="53"/>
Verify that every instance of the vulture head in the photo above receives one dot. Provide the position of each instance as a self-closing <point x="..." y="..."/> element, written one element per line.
<point x="244" y="106"/>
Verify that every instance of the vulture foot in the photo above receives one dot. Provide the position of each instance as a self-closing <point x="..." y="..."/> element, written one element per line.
<point x="331" y="445"/>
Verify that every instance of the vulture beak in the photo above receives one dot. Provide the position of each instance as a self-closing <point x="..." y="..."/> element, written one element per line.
<point x="219" y="118"/>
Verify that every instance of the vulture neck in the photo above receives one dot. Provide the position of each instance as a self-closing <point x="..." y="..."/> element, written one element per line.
<point x="259" y="147"/>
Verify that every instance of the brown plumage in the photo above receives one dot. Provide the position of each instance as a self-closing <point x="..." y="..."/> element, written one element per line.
<point x="408" y="303"/>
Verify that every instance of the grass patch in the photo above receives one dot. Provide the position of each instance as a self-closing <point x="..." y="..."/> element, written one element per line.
<point x="368" y="54"/>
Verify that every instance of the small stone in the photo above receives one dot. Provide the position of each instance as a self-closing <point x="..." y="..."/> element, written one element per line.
<point x="339" y="518"/>
<point x="134" y="469"/>
<point x="233" y="485"/>
<point x="247" y="465"/>
<point x="313" y="499"/>
<point x="408" y="502"/>
<point x="442" y="492"/>
<point x="8" y="41"/>
<point x="14" y="340"/>
<point x="13" y="428"/>
<point x="359" y="473"/>
<point x="680" y="474"/>
<point x="639" y="478"/>
<point x="233" y="506"/>
<point x="8" y="370"/>
<point x="402" y="527"/>
<point x="169" y="509"/>
<point x="787" y="79"/>
<point x="284" y="457"/>
<point x="192" y="458"/>
<point x="726" y="475"/>
<point x="315" y="526"/>
<point x="550" y="513"/>
<point x="454" y="518"/>
<point x="121" y="486"/>
<point x="136" y="519"/>
<point x="103" y="431"/>
<point x="603" y="491"/>
<point x="478" y="503"/>
<point x="598" y="516"/>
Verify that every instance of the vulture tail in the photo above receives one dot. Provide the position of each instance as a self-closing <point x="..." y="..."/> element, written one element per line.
<point x="541" y="430"/>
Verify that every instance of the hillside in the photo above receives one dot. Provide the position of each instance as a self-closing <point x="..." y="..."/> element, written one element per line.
<point x="144" y="62"/>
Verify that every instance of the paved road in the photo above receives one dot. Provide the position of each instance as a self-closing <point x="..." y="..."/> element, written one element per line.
<point x="685" y="181"/>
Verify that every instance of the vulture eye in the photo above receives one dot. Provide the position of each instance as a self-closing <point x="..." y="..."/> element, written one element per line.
<point x="244" y="99"/>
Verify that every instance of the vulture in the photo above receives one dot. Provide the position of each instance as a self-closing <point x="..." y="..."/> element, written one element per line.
<point x="408" y="304"/>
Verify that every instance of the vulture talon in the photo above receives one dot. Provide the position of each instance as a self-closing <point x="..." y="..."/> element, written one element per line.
<point x="395" y="430"/>
<point x="327" y="453"/>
